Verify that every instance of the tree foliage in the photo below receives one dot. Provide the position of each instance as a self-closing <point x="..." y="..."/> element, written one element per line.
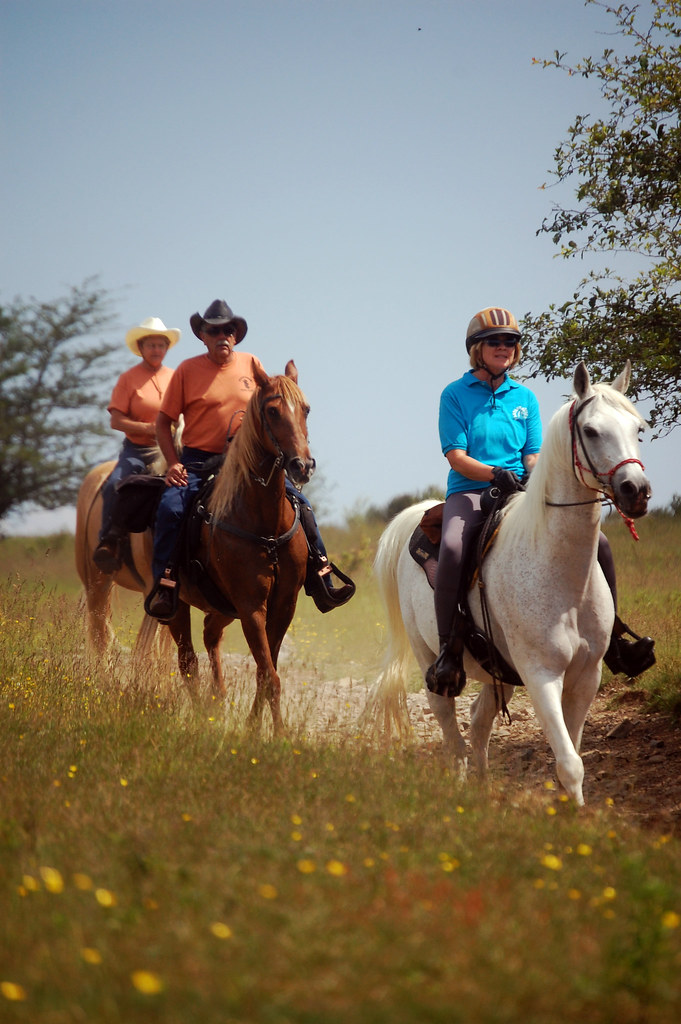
<point x="626" y="167"/>
<point x="51" y="391"/>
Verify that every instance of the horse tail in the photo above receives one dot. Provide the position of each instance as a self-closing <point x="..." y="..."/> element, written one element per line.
<point x="387" y="698"/>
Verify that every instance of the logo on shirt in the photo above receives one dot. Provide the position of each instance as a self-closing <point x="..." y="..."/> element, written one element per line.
<point x="520" y="413"/>
<point x="247" y="384"/>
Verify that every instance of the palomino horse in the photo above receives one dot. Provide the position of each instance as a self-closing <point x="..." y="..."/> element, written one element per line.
<point x="549" y="609"/>
<point x="251" y="543"/>
<point x="134" y="574"/>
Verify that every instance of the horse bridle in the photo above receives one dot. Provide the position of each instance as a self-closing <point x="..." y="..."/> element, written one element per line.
<point x="604" y="478"/>
<point x="280" y="459"/>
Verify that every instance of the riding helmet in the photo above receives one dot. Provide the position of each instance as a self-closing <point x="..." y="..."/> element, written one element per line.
<point x="491" y="321"/>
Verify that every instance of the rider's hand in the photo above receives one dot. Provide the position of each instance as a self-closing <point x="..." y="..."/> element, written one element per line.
<point x="506" y="480"/>
<point x="176" y="475"/>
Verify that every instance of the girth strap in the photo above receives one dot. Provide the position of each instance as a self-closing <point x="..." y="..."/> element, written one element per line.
<point x="271" y="544"/>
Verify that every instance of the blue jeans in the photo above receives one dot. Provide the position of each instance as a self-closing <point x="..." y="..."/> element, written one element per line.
<point x="132" y="458"/>
<point x="175" y="504"/>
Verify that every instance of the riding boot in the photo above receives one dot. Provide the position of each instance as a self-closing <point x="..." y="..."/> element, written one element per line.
<point x="628" y="657"/>
<point x="107" y="555"/>
<point x="446" y="676"/>
<point x="318" y="584"/>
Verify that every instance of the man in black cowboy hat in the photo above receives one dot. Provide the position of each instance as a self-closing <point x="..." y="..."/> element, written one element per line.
<point x="212" y="391"/>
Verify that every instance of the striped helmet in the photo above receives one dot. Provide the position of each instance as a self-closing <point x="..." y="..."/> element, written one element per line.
<point x="489" y="322"/>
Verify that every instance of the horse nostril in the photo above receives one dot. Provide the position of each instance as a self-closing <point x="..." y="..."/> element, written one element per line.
<point x="628" y="489"/>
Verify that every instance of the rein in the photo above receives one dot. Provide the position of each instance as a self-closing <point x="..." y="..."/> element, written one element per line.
<point x="485" y="539"/>
<point x="579" y="469"/>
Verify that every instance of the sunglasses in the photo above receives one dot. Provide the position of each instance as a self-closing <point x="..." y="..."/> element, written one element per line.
<point x="497" y="342"/>
<point x="214" y="332"/>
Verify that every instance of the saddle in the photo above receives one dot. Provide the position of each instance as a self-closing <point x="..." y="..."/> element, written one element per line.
<point x="424" y="547"/>
<point x="137" y="498"/>
<point x="186" y="552"/>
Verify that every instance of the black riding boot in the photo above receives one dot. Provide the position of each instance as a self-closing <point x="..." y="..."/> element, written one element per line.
<point x="319" y="585"/>
<point x="318" y="580"/>
<point x="446" y="675"/>
<point x="630" y="658"/>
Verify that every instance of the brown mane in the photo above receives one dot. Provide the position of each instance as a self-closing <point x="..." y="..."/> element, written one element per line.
<point x="244" y="455"/>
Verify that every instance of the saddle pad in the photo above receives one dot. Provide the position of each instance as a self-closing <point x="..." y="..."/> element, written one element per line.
<point x="424" y="552"/>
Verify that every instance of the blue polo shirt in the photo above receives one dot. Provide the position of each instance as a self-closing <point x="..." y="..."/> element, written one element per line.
<point x="494" y="427"/>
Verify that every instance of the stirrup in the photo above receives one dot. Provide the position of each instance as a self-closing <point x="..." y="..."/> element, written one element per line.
<point x="627" y="657"/>
<point x="318" y="586"/>
<point x="163" y="599"/>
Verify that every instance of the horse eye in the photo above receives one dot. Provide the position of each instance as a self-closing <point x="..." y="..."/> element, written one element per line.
<point x="590" y="431"/>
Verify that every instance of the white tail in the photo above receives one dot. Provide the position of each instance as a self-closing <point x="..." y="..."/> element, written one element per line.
<point x="386" y="704"/>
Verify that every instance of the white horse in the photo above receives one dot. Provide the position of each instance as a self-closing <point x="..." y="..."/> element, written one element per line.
<point x="550" y="609"/>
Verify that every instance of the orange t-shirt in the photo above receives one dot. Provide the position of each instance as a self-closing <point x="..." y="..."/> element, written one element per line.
<point x="212" y="398"/>
<point x="138" y="394"/>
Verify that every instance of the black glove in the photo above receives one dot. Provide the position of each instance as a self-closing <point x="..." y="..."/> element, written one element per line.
<point x="506" y="480"/>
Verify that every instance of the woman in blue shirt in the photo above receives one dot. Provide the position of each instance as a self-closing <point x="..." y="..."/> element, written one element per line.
<point x="490" y="432"/>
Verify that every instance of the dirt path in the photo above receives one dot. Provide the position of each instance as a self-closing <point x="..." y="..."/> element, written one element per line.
<point x="631" y="755"/>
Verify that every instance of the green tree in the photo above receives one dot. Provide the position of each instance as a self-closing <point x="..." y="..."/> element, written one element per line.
<point x="626" y="165"/>
<point x="51" y="391"/>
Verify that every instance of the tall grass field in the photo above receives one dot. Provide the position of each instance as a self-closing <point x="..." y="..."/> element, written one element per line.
<point x="159" y="863"/>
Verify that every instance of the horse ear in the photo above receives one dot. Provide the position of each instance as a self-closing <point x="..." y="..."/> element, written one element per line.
<point x="259" y="375"/>
<point x="291" y="371"/>
<point x="582" y="381"/>
<point x="622" y="382"/>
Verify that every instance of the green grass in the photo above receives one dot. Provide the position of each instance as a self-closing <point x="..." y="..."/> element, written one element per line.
<point x="160" y="863"/>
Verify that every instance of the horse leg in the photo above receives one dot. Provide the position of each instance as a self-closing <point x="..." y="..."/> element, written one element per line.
<point x="268" y="683"/>
<point x="181" y="628"/>
<point x="483" y="712"/>
<point x="547" y="699"/>
<point x="444" y="709"/>
<point x="98" y="608"/>
<point x="577" y="699"/>
<point x="213" y="628"/>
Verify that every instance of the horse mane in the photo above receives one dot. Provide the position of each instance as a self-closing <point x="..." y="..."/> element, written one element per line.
<point x="526" y="512"/>
<point x="245" y="451"/>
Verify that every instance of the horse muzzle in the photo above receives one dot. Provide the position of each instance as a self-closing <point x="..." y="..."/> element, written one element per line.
<point x="632" y="493"/>
<point x="299" y="471"/>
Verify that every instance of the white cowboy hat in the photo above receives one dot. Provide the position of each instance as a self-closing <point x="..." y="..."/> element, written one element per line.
<point x="152" y="325"/>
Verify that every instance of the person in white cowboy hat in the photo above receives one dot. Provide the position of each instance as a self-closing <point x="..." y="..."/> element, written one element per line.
<point x="133" y="408"/>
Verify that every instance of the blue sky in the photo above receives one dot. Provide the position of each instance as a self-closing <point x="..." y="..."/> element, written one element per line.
<point x="356" y="179"/>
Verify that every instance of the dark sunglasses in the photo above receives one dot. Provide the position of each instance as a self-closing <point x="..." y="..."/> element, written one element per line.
<point x="227" y="329"/>
<point x="497" y="342"/>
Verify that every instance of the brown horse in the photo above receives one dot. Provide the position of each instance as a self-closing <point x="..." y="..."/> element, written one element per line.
<point x="251" y="542"/>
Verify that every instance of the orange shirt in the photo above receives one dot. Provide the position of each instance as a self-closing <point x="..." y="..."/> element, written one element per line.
<point x="212" y="398"/>
<point x="138" y="394"/>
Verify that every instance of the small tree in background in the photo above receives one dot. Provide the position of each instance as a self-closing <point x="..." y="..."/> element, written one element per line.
<point x="55" y="378"/>
<point x="626" y="166"/>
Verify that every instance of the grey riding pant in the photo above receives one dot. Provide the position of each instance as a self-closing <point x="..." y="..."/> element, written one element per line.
<point x="460" y="519"/>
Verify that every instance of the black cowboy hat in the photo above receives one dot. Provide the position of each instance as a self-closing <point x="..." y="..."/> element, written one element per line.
<point x="218" y="313"/>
